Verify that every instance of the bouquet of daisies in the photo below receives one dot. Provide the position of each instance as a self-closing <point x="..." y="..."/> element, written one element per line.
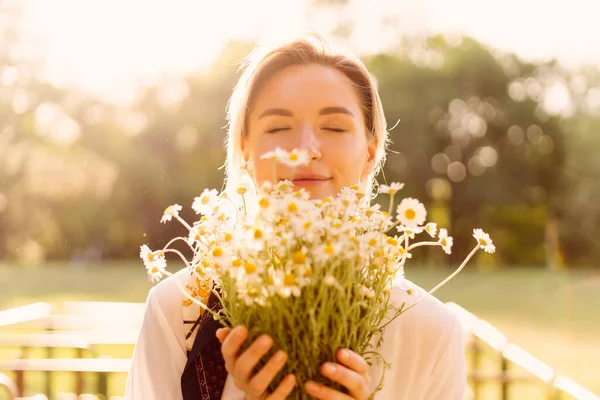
<point x="314" y="274"/>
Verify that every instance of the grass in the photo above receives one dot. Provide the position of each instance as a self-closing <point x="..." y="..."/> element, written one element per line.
<point x="553" y="315"/>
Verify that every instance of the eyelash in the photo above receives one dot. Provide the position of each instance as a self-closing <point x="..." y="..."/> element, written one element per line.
<point x="275" y="130"/>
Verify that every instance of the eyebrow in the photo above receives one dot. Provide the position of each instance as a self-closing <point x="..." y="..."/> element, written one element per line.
<point x="287" y="113"/>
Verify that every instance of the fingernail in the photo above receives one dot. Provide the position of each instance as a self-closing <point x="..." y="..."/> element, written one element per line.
<point x="265" y="341"/>
<point x="329" y="369"/>
<point x="280" y="357"/>
<point x="344" y="354"/>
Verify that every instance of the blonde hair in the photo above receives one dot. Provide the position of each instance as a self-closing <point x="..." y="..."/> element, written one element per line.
<point x="264" y="61"/>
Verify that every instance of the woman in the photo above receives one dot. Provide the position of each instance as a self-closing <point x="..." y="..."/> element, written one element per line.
<point x="299" y="95"/>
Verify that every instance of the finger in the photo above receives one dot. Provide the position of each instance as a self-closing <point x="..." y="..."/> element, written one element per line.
<point x="353" y="361"/>
<point x="246" y="362"/>
<point x="231" y="345"/>
<point x="261" y="381"/>
<point x="352" y="380"/>
<point x="222" y="334"/>
<point x="284" y="389"/>
<point x="325" y="393"/>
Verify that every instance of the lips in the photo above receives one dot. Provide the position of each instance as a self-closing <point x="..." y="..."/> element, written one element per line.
<point x="309" y="179"/>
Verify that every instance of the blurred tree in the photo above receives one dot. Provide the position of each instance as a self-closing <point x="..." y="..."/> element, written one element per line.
<point x="464" y="141"/>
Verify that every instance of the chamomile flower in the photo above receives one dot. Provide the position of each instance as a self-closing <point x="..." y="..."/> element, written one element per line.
<point x="274" y="155"/>
<point x="295" y="158"/>
<point x="484" y="241"/>
<point x="154" y="262"/>
<point x="431" y="229"/>
<point x="445" y="241"/>
<point x="170" y="212"/>
<point x="411" y="212"/>
<point x="206" y="202"/>
<point x="392" y="189"/>
<point x="289" y="285"/>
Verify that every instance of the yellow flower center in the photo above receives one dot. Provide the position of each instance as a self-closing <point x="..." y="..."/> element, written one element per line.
<point x="217" y="252"/>
<point x="269" y="281"/>
<point x="204" y="200"/>
<point x="258" y="234"/>
<point x="250" y="268"/>
<point x="154" y="269"/>
<point x="292" y="207"/>
<point x="236" y="263"/>
<point x="289" y="280"/>
<point x="410" y="214"/>
<point x="482" y="242"/>
<point x="228" y="236"/>
<point x="299" y="258"/>
<point x="372" y="242"/>
<point x="264" y="202"/>
<point x="392" y="242"/>
<point x="329" y="249"/>
<point x="308" y="273"/>
<point x="444" y="242"/>
<point x="294" y="157"/>
<point x="242" y="190"/>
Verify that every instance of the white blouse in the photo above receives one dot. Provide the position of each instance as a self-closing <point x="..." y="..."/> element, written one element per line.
<point x="424" y="345"/>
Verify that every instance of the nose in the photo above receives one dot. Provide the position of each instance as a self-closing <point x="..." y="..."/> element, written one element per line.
<point x="310" y="142"/>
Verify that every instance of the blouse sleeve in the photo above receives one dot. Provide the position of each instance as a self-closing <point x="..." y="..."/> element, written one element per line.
<point x="158" y="358"/>
<point x="448" y="379"/>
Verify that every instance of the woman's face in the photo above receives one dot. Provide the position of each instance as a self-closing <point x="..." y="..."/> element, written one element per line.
<point x="315" y="108"/>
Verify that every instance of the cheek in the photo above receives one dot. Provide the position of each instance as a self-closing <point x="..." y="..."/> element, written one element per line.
<point x="265" y="169"/>
<point x="347" y="160"/>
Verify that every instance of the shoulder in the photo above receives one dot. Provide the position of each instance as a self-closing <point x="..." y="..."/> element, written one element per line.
<point x="433" y="321"/>
<point x="165" y="298"/>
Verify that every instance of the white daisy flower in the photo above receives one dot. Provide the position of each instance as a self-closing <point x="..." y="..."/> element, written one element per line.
<point x="274" y="155"/>
<point x="206" y="202"/>
<point x="445" y="241"/>
<point x="156" y="271"/>
<point x="411" y="212"/>
<point x="284" y="186"/>
<point x="154" y="261"/>
<point x="410" y="232"/>
<point x="392" y="189"/>
<point x="484" y="240"/>
<point x="289" y="286"/>
<point x="295" y="158"/>
<point x="170" y="212"/>
<point x="431" y="228"/>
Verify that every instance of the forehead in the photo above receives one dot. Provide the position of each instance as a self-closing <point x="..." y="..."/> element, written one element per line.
<point x="306" y="86"/>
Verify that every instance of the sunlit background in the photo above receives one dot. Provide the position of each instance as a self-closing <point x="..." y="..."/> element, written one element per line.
<point x="112" y="110"/>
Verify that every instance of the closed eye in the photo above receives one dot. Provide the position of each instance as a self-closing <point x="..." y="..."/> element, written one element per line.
<point x="334" y="129"/>
<point x="275" y="130"/>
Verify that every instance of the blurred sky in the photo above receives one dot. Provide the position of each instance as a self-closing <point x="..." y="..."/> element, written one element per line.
<point x="109" y="46"/>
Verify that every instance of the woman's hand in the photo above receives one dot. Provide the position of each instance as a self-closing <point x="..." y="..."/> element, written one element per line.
<point x="352" y="372"/>
<point x="240" y="366"/>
